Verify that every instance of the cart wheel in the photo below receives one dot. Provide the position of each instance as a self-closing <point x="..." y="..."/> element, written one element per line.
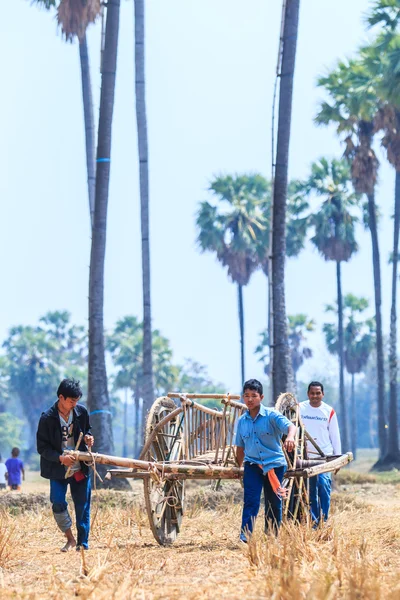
<point x="164" y="500"/>
<point x="296" y="505"/>
<point x="286" y="404"/>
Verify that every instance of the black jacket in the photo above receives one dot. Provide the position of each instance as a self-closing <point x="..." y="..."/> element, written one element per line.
<point x="49" y="440"/>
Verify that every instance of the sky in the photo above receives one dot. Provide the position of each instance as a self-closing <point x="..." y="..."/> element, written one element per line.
<point x="210" y="68"/>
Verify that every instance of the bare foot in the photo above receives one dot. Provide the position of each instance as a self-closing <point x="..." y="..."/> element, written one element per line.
<point x="68" y="546"/>
<point x="71" y="543"/>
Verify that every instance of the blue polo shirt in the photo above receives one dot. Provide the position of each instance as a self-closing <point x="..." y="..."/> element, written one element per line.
<point x="261" y="437"/>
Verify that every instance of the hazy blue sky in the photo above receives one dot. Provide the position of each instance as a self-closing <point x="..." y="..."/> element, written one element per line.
<point x="210" y="71"/>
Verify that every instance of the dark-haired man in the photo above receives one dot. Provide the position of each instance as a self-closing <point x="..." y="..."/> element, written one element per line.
<point x="258" y="445"/>
<point x="59" y="429"/>
<point x="321" y="422"/>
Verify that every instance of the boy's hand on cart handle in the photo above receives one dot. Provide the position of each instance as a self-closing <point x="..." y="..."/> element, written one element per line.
<point x="89" y="440"/>
<point x="289" y="444"/>
<point x="67" y="461"/>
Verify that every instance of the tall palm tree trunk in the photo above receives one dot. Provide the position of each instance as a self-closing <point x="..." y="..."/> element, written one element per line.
<point x="378" y="320"/>
<point x="241" y="327"/>
<point x="148" y="388"/>
<point x="125" y="426"/>
<point x="138" y="427"/>
<point x="282" y="378"/>
<point x="89" y="124"/>
<point x="342" y="402"/>
<point x="353" y="417"/>
<point x="98" y="399"/>
<point x="393" y="441"/>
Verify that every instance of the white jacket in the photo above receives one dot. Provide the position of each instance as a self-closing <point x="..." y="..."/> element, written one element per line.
<point x="322" y="425"/>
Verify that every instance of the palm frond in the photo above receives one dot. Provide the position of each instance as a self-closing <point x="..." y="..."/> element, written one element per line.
<point x="74" y="16"/>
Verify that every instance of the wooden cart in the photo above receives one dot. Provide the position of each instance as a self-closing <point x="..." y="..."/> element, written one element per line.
<point x="187" y="440"/>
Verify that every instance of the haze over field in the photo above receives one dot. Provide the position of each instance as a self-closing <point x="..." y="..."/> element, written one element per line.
<point x="210" y="71"/>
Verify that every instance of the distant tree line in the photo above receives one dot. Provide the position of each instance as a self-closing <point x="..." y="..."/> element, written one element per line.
<point x="36" y="358"/>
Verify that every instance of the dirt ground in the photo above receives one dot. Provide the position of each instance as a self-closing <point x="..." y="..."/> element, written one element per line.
<point x="355" y="556"/>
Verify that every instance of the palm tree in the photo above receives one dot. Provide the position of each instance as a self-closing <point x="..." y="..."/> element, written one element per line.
<point x="282" y="379"/>
<point x="359" y="340"/>
<point x="148" y="391"/>
<point x="90" y="129"/>
<point x="98" y="398"/>
<point x="231" y="230"/>
<point x="334" y="238"/>
<point x="126" y="346"/>
<point x="382" y="59"/>
<point x="74" y="18"/>
<point x="296" y="223"/>
<point x="352" y="107"/>
<point x="298" y="327"/>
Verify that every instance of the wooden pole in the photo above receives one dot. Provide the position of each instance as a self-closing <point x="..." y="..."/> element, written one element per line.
<point x="78" y="443"/>
<point x="330" y="465"/>
<point x="199" y="396"/>
<point x="176" y="468"/>
<point x="313" y="442"/>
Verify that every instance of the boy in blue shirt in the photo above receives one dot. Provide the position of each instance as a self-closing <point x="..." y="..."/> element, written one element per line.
<point x="258" y="445"/>
<point x="15" y="468"/>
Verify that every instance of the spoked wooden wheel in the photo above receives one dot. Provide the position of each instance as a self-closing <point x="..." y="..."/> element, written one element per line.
<point x="164" y="498"/>
<point x="296" y="505"/>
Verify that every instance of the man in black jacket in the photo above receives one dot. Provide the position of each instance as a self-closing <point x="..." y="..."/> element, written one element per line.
<point x="59" y="429"/>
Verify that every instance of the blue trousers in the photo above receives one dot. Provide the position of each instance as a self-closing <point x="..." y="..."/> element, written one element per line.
<point x="81" y="493"/>
<point x="254" y="481"/>
<point x="320" y="496"/>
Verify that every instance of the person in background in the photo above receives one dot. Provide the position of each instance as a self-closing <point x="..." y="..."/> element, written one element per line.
<point x="59" y="429"/>
<point x="3" y="475"/>
<point x="321" y="422"/>
<point x="258" y="445"/>
<point x="15" y="469"/>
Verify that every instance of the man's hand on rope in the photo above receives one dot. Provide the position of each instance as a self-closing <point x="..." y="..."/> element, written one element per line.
<point x="89" y="440"/>
<point x="67" y="460"/>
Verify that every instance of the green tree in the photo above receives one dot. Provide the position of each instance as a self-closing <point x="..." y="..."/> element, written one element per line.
<point x="125" y="345"/>
<point x="141" y="119"/>
<point x="334" y="238"/>
<point x="74" y="17"/>
<point x="194" y="377"/>
<point x="359" y="340"/>
<point x="382" y="60"/>
<point x="297" y="222"/>
<point x="281" y="363"/>
<point x="298" y="327"/>
<point x="352" y="107"/>
<point x="230" y="230"/>
<point x="10" y="433"/>
<point x="38" y="358"/>
<point x="4" y="384"/>
<point x="98" y="398"/>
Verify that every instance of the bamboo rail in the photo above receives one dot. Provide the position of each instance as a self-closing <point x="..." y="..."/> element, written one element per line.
<point x="198" y="470"/>
<point x="330" y="465"/>
<point x="199" y="396"/>
<point x="230" y="402"/>
<point x="212" y="471"/>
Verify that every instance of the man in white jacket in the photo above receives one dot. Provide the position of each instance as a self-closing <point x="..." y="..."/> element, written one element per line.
<point x="321" y="422"/>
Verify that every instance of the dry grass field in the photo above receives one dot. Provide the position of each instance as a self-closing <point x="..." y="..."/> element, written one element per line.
<point x="355" y="556"/>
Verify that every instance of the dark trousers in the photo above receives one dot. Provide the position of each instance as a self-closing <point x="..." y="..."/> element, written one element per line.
<point x="254" y="481"/>
<point x="81" y="493"/>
